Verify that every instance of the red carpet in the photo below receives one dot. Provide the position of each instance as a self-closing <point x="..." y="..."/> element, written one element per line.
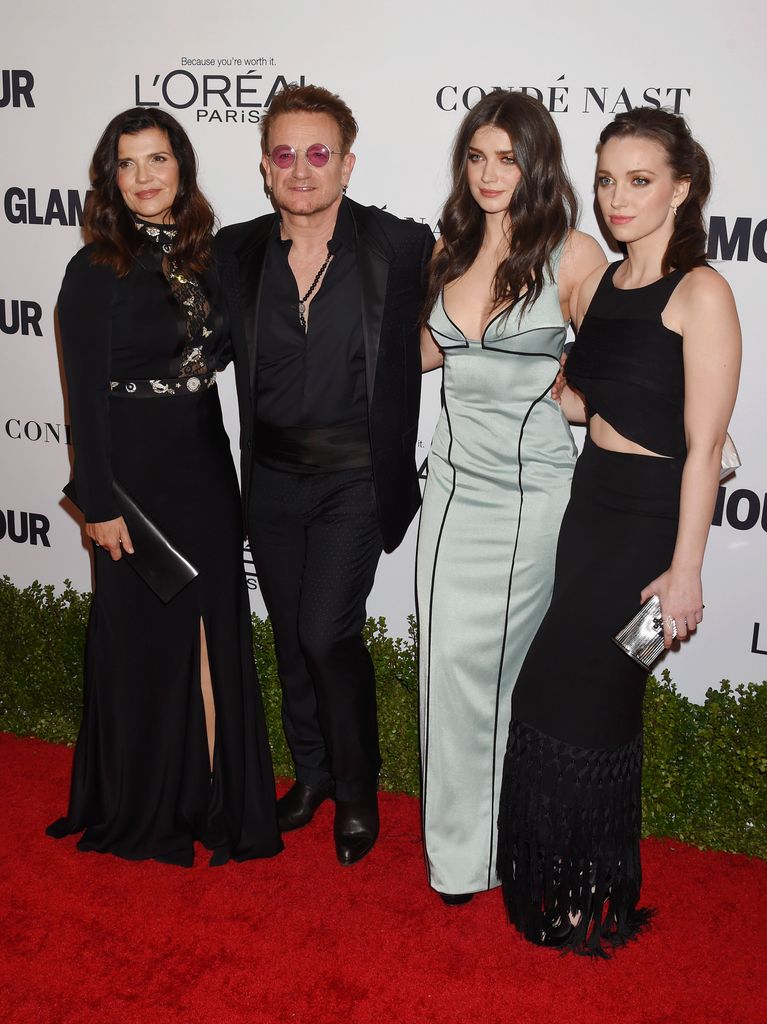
<point x="86" y="937"/>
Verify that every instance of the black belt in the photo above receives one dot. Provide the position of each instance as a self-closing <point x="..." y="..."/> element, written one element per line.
<point x="163" y="387"/>
<point x="345" y="446"/>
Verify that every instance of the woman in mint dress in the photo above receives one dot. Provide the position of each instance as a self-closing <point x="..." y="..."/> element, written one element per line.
<point x="502" y="285"/>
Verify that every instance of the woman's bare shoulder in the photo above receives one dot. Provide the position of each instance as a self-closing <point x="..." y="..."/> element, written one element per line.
<point x="704" y="284"/>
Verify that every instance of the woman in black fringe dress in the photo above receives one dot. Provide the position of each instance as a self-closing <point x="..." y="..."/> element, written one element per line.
<point x="173" y="745"/>
<point x="654" y="371"/>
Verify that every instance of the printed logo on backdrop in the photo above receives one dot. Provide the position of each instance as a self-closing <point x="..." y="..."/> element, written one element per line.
<point x="16" y="88"/>
<point x="737" y="239"/>
<point x="250" y="570"/>
<point x="422" y="461"/>
<point x="740" y="509"/>
<point x="220" y="90"/>
<point x="24" y="527"/>
<point x="18" y="429"/>
<point x="57" y="206"/>
<point x="755" y="641"/>
<point x="562" y="98"/>
<point x="20" y="316"/>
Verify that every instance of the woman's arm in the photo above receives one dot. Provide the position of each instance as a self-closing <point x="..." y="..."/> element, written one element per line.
<point x="85" y="315"/>
<point x="573" y="405"/>
<point x="711" y="346"/>
<point x="582" y="256"/>
<point x="583" y="264"/>
<point x="431" y="353"/>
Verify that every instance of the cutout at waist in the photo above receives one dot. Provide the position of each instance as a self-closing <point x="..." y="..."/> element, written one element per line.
<point x="605" y="436"/>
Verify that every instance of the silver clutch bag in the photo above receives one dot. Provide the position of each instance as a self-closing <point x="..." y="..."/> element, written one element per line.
<point x="730" y="459"/>
<point x="642" y="637"/>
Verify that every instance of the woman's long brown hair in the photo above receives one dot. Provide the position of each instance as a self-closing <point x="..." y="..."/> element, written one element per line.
<point x="108" y="222"/>
<point x="543" y="207"/>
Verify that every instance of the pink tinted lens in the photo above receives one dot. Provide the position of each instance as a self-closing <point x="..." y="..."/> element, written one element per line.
<point x="318" y="155"/>
<point x="283" y="156"/>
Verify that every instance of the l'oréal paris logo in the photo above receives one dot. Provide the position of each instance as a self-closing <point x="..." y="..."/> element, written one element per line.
<point x="236" y="96"/>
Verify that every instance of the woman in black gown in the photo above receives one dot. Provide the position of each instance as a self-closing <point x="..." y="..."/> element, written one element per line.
<point x="173" y="745"/>
<point x="654" y="369"/>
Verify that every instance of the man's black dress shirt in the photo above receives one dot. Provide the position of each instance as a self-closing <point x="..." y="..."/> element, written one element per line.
<point x="315" y="379"/>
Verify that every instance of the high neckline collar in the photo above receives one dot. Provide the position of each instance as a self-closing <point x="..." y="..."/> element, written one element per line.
<point x="159" y="233"/>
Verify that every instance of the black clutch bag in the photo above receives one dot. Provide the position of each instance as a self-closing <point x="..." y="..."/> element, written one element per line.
<point x="155" y="559"/>
<point x="642" y="637"/>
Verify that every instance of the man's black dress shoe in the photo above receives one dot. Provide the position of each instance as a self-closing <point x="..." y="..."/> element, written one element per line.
<point x="297" y="807"/>
<point x="355" y="828"/>
<point x="456" y="899"/>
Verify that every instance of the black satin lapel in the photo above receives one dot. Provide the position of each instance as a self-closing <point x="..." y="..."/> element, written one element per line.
<point x="251" y="325"/>
<point x="251" y="260"/>
<point x="374" y="274"/>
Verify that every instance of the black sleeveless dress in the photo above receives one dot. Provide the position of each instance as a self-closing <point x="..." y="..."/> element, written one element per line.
<point x="570" y="813"/>
<point x="140" y="354"/>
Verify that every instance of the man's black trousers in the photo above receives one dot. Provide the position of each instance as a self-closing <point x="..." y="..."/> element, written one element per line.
<point x="316" y="542"/>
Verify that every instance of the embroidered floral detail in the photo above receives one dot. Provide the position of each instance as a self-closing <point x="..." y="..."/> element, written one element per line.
<point x="190" y="296"/>
<point x="188" y="292"/>
<point x="192" y="362"/>
<point x="162" y="389"/>
<point x="166" y="386"/>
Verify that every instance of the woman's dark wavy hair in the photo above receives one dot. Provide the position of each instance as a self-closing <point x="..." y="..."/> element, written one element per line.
<point x="108" y="222"/>
<point x="543" y="208"/>
<point x="688" y="162"/>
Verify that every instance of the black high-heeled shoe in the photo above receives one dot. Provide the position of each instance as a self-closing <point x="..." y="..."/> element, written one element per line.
<point x="557" y="931"/>
<point x="456" y="899"/>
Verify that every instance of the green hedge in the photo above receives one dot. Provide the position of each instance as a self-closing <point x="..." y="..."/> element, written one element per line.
<point x="705" y="776"/>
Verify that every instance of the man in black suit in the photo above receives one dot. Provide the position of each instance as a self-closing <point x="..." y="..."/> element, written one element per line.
<point x="325" y="297"/>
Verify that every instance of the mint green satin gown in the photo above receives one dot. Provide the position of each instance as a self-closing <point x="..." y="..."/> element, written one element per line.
<point x="499" y="474"/>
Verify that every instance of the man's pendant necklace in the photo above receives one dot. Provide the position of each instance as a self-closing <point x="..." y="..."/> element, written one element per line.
<point x="312" y="286"/>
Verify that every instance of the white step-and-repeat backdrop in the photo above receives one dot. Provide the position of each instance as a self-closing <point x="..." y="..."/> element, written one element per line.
<point x="409" y="72"/>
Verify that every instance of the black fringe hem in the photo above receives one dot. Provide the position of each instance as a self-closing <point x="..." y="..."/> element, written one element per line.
<point x="568" y="851"/>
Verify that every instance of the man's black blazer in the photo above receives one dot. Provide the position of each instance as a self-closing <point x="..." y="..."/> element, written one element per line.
<point x="391" y="258"/>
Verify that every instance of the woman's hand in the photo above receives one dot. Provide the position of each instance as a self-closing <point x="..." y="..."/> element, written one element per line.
<point x="681" y="601"/>
<point x="113" y="536"/>
<point x="561" y="381"/>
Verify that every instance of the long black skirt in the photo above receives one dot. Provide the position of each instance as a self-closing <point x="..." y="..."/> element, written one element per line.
<point x="570" y="812"/>
<point x="142" y="785"/>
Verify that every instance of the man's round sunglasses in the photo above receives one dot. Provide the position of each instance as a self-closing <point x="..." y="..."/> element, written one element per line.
<point x="317" y="155"/>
